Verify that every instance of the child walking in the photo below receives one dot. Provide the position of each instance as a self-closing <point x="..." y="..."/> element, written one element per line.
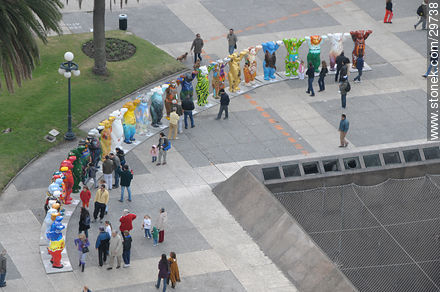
<point x="388" y="12"/>
<point x="85" y="196"/>
<point x="108" y="228"/>
<point x="153" y="153"/>
<point x="147" y="226"/>
<point x="301" y="70"/>
<point x="155" y="236"/>
<point x="322" y="74"/>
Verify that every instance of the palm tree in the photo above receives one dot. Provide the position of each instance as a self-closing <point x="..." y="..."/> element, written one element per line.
<point x="100" y="67"/>
<point x="21" y="23"/>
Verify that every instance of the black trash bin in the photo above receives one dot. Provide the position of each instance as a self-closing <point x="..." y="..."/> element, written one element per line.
<point x="123" y="21"/>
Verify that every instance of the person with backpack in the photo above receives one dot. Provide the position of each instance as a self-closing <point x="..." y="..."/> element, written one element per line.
<point x="344" y="87"/>
<point x="388" y="11"/>
<point x="188" y="107"/>
<point x="359" y="67"/>
<point x="164" y="145"/>
<point x="422" y="12"/>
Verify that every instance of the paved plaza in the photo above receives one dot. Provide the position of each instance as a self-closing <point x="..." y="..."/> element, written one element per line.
<point x="272" y="123"/>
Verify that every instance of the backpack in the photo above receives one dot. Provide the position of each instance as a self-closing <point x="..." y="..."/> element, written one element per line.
<point x="87" y="221"/>
<point x="420" y="10"/>
<point x="168" y="147"/>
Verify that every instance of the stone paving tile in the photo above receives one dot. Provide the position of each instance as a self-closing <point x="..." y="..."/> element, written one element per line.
<point x="380" y="119"/>
<point x="376" y="8"/>
<point x="416" y="39"/>
<point x="135" y="163"/>
<point x="11" y="273"/>
<point x="264" y="11"/>
<point x="180" y="236"/>
<point x="159" y="27"/>
<point x="246" y="135"/>
<point x="218" y="281"/>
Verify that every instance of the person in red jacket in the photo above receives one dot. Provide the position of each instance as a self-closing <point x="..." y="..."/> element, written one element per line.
<point x="85" y="196"/>
<point x="126" y="221"/>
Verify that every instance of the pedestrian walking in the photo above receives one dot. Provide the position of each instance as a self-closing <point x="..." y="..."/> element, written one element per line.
<point x="322" y="75"/>
<point x="84" y="222"/>
<point x="301" y="70"/>
<point x="343" y="129"/>
<point x="433" y="61"/>
<point x="126" y="248"/>
<point x="126" y="221"/>
<point x="3" y="268"/>
<point x="147" y="226"/>
<point x="115" y="250"/>
<point x="155" y="235"/>
<point x="83" y="248"/>
<point x="107" y="169"/>
<point x="116" y="167"/>
<point x="422" y="13"/>
<point x="174" y="270"/>
<point x="232" y="41"/>
<point x="120" y="153"/>
<point x="359" y="67"/>
<point x="224" y="103"/>
<point x="188" y="107"/>
<point x="344" y="87"/>
<point x="311" y="75"/>
<point x="340" y="60"/>
<point x="174" y="120"/>
<point x="153" y="153"/>
<point x="108" y="228"/>
<point x="101" y="201"/>
<point x="91" y="174"/>
<point x="196" y="47"/>
<point x="164" y="270"/>
<point x="179" y="111"/>
<point x="343" y="73"/>
<point x="85" y="196"/>
<point x="161" y="224"/>
<point x="388" y="11"/>
<point x="164" y="145"/>
<point x="126" y="177"/>
<point x="102" y="245"/>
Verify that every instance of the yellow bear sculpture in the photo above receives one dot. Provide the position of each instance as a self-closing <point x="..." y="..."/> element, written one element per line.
<point x="106" y="136"/>
<point x="234" y="70"/>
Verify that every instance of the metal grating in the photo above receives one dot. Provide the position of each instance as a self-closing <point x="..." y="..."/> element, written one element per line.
<point x="383" y="238"/>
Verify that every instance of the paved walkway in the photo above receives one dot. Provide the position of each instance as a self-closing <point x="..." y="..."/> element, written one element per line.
<point x="272" y="123"/>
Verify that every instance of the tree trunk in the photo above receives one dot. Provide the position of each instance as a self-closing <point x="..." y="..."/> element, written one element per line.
<point x="99" y="37"/>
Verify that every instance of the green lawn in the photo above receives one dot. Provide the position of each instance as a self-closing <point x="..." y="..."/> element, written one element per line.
<point x="41" y="103"/>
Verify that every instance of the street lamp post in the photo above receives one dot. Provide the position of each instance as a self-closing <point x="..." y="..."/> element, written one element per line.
<point x="66" y="69"/>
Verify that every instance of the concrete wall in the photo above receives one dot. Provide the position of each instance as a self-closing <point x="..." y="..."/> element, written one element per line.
<point x="280" y="237"/>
